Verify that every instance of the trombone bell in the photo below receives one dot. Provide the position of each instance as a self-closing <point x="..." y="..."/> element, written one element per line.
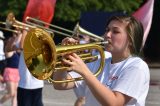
<point x="80" y="31"/>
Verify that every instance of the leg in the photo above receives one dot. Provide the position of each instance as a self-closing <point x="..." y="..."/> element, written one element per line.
<point x="10" y="92"/>
<point x="80" y="101"/>
<point x="14" y="98"/>
<point x="37" y="100"/>
<point x="1" y="78"/>
<point x="1" y="83"/>
<point x="24" y="97"/>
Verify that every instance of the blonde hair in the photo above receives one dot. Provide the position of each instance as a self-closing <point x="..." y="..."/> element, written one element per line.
<point x="134" y="31"/>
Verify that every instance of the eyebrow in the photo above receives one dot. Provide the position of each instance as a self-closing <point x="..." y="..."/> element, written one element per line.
<point x="114" y="27"/>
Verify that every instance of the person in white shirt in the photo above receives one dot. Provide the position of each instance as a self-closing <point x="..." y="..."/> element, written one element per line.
<point x="84" y="39"/>
<point x="2" y="54"/>
<point x="125" y="78"/>
<point x="29" y="89"/>
<point x="2" y="60"/>
<point x="80" y="94"/>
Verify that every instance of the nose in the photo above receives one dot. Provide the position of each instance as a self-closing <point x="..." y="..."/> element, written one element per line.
<point x="107" y="35"/>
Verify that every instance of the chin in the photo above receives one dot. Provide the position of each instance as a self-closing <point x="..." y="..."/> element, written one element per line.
<point x="108" y="48"/>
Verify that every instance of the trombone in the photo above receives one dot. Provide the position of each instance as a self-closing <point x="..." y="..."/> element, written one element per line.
<point x="77" y="30"/>
<point x="11" y="21"/>
<point x="7" y="29"/>
<point x="41" y="24"/>
<point x="35" y="23"/>
<point x="80" y="31"/>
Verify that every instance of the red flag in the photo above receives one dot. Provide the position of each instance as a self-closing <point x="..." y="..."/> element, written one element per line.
<point x="40" y="9"/>
<point x="144" y="14"/>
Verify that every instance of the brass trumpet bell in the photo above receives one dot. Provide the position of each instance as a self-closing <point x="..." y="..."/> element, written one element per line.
<point x="39" y="53"/>
<point x="43" y="57"/>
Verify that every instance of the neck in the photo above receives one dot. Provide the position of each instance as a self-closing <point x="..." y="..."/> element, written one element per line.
<point x="119" y="58"/>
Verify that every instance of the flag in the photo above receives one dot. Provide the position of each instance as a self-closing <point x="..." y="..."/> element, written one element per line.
<point x="40" y="9"/>
<point x="144" y="14"/>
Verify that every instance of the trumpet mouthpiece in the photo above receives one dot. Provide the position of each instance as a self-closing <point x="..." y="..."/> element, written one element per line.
<point x="105" y="42"/>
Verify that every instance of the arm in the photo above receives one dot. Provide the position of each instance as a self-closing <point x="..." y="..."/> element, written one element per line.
<point x="9" y="45"/>
<point x="24" y="33"/>
<point x="17" y="47"/>
<point x="63" y="75"/>
<point x="103" y="94"/>
<point x="9" y="48"/>
<point x="13" y="44"/>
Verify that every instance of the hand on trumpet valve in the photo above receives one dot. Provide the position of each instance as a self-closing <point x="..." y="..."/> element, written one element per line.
<point x="75" y="63"/>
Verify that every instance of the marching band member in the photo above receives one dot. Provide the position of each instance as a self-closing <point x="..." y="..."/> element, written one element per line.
<point x="125" y="77"/>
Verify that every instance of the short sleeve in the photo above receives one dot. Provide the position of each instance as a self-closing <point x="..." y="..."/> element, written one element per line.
<point x="133" y="80"/>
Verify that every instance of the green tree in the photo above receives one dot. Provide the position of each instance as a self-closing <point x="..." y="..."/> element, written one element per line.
<point x="16" y="6"/>
<point x="70" y="10"/>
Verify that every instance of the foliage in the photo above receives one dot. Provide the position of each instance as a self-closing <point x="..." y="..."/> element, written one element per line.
<point x="70" y="10"/>
<point x="16" y="6"/>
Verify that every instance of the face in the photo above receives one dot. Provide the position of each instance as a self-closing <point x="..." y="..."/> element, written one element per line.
<point x="117" y="37"/>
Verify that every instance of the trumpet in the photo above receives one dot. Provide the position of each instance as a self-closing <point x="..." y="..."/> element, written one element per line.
<point x="43" y="57"/>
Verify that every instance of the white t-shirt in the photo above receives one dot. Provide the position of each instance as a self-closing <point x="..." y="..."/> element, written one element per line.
<point x="27" y="81"/>
<point x="93" y="65"/>
<point x="130" y="77"/>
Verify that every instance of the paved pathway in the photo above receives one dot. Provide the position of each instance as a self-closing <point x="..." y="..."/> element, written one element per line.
<point x="53" y="97"/>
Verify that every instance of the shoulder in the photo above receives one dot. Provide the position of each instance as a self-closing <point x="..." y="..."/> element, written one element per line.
<point x="135" y="66"/>
<point x="137" y="62"/>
